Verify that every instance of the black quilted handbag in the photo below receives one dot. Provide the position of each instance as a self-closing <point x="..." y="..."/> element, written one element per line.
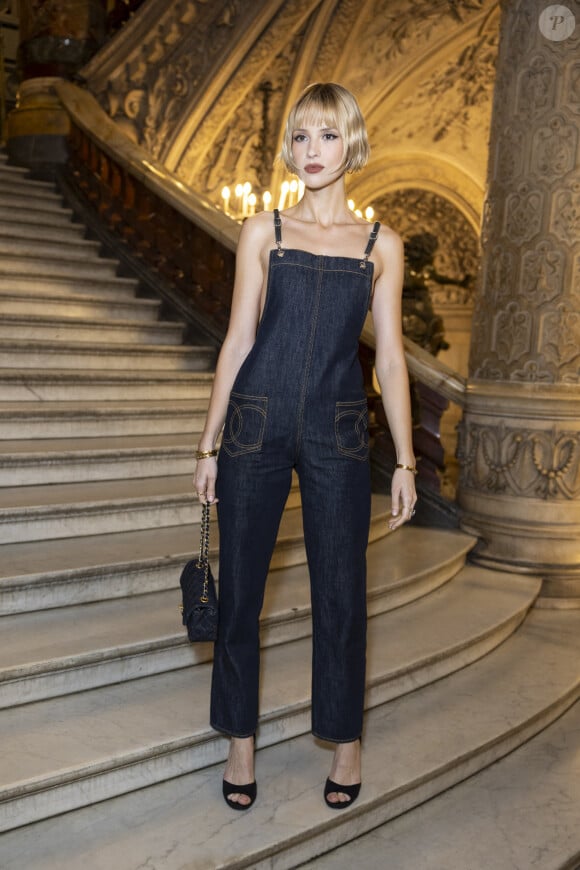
<point x="200" y="605"/>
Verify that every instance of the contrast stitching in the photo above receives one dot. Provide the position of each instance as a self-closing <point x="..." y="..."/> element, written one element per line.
<point x="308" y="361"/>
<point x="349" y="409"/>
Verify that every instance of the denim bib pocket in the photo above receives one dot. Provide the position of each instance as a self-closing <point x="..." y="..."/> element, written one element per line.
<point x="351" y="429"/>
<point x="245" y="424"/>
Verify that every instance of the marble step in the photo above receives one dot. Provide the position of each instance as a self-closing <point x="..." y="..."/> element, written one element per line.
<point x="39" y="575"/>
<point x="16" y="354"/>
<point x="72" y="649"/>
<point x="47" y="202"/>
<point x="64" y="306"/>
<point x="42" y="327"/>
<point x="53" y="420"/>
<point x="69" y="460"/>
<point x="22" y="186"/>
<point x="105" y="287"/>
<point x="21" y="210"/>
<point x="20" y="230"/>
<point x="61" y="385"/>
<point x="521" y="813"/>
<point x="69" y="250"/>
<point x="149" y="730"/>
<point x="9" y="170"/>
<point x="40" y="513"/>
<point x="30" y="190"/>
<point x="59" y="266"/>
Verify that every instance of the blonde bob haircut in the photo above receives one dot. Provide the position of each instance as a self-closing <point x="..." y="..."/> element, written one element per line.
<point x="327" y="104"/>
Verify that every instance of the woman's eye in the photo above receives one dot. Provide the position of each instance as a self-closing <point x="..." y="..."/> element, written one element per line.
<point x="330" y="136"/>
<point x="299" y="137"/>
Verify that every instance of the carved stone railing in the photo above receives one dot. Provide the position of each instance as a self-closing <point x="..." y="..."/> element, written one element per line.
<point x="191" y="245"/>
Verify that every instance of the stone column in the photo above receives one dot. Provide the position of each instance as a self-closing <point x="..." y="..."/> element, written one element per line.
<point x="519" y="443"/>
<point x="57" y="37"/>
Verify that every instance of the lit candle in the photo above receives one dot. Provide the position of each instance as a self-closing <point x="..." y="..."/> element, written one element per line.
<point x="369" y="213"/>
<point x="351" y="204"/>
<point x="252" y="200"/>
<point x="358" y="212"/>
<point x="239" y="191"/>
<point x="267" y="200"/>
<point x="293" y="192"/>
<point x="283" y="194"/>
<point x="246" y="192"/>
<point x="226" y="199"/>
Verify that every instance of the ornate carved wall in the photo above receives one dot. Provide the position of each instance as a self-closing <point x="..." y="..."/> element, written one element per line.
<point x="206" y="87"/>
<point x="412" y="210"/>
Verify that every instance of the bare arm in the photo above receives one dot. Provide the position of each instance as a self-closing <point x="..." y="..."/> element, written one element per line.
<point x="241" y="335"/>
<point x="392" y="370"/>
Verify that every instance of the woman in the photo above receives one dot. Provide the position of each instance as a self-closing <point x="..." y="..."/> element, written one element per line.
<point x="289" y="387"/>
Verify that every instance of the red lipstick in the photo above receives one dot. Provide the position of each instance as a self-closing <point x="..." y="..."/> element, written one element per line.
<point x="313" y="168"/>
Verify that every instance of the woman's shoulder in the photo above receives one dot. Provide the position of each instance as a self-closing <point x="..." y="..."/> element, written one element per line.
<point x="388" y="235"/>
<point x="388" y="252"/>
<point x="389" y="242"/>
<point x="259" y="224"/>
<point x="258" y="231"/>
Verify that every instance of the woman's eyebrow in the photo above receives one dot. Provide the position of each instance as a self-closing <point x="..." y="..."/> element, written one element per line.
<point x="322" y="129"/>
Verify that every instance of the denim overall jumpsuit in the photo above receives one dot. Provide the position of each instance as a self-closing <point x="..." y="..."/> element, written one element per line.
<point x="298" y="402"/>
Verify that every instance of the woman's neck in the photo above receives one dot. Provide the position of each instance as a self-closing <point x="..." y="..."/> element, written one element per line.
<point x="325" y="207"/>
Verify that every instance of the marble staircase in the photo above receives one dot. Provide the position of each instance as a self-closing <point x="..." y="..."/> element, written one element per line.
<point x="106" y="756"/>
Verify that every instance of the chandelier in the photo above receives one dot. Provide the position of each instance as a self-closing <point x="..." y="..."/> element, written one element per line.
<point x="245" y="201"/>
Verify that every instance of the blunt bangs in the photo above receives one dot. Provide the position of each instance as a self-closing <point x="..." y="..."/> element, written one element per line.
<point x="329" y="105"/>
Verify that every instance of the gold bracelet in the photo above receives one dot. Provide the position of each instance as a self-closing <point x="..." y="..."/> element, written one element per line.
<point x="412" y="468"/>
<point x="205" y="454"/>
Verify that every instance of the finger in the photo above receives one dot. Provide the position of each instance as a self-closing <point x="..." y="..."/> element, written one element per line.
<point x="395" y="522"/>
<point x="398" y="518"/>
<point x="200" y="484"/>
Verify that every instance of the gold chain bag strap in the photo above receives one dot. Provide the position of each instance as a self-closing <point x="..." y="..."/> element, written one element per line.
<point x="200" y="605"/>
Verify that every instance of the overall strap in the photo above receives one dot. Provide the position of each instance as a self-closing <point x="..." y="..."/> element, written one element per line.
<point x="370" y="244"/>
<point x="278" y="232"/>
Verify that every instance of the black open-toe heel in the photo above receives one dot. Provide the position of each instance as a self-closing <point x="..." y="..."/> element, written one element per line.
<point x="352" y="791"/>
<point x="250" y="790"/>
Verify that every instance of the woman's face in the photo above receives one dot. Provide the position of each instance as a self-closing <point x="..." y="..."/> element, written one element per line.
<point x="317" y="151"/>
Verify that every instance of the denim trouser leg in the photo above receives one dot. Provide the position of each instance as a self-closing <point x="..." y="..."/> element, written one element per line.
<point x="336" y="510"/>
<point x="252" y="493"/>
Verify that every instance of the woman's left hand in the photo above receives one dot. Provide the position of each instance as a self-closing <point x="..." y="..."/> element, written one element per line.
<point x="403" y="498"/>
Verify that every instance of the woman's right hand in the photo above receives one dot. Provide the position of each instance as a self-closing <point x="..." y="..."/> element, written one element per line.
<point x="204" y="479"/>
